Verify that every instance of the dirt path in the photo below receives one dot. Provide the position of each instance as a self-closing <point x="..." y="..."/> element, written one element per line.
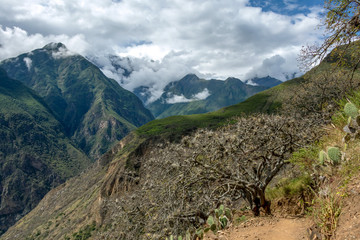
<point x="267" y="228"/>
<point x="349" y="221"/>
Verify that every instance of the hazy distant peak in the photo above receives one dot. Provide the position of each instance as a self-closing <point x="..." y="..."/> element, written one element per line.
<point x="264" y="81"/>
<point x="233" y="80"/>
<point x="189" y="77"/>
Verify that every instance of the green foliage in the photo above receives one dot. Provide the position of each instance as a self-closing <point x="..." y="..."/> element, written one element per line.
<point x="351" y="110"/>
<point x="322" y="157"/>
<point x="334" y="155"/>
<point x="326" y="211"/>
<point x="220" y="220"/>
<point x="240" y="219"/>
<point x="287" y="188"/>
<point x="304" y="157"/>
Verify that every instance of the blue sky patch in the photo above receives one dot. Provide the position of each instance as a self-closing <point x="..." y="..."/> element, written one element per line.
<point x="287" y="7"/>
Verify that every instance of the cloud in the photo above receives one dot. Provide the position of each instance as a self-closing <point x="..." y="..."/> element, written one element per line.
<point x="62" y="52"/>
<point x="178" y="99"/>
<point x="202" y="95"/>
<point x="182" y="99"/>
<point x="164" y="40"/>
<point x="15" y="41"/>
<point x="28" y="62"/>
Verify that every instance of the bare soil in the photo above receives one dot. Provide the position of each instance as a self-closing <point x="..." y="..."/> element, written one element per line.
<point x="267" y="228"/>
<point x="349" y="222"/>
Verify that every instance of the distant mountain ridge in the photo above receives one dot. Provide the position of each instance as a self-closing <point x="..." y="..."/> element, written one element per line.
<point x="265" y="81"/>
<point x="95" y="110"/>
<point x="192" y="95"/>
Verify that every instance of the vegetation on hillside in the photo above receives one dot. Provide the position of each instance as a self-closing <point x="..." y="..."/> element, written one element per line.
<point x="35" y="154"/>
<point x="94" y="110"/>
<point x="170" y="179"/>
<point x="221" y="94"/>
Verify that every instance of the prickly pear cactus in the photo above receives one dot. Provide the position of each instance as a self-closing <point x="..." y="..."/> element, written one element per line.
<point x="223" y="221"/>
<point x="212" y="225"/>
<point x="334" y="154"/>
<point x="351" y="110"/>
<point x="322" y="157"/>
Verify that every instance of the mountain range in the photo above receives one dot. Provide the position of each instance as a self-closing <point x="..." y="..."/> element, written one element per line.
<point x="58" y="116"/>
<point x="94" y="110"/>
<point x="109" y="200"/>
<point x="192" y="95"/>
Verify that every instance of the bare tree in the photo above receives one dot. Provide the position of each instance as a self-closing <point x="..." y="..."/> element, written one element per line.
<point x="178" y="185"/>
<point x="341" y="21"/>
<point x="319" y="91"/>
<point x="241" y="160"/>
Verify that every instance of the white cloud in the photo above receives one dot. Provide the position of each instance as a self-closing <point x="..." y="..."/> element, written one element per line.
<point x="28" y="63"/>
<point x="15" y="41"/>
<point x="178" y="99"/>
<point x="182" y="99"/>
<point x="62" y="52"/>
<point x="202" y="95"/>
<point x="213" y="38"/>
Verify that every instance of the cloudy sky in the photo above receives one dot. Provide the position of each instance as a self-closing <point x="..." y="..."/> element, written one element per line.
<point x="166" y="39"/>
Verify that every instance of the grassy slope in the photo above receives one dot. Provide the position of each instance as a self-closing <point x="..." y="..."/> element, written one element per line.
<point x="83" y="207"/>
<point x="66" y="205"/>
<point x="35" y="154"/>
<point x="176" y="126"/>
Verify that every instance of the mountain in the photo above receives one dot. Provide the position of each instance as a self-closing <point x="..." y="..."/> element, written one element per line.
<point x="117" y="198"/>
<point x="35" y="154"/>
<point x="265" y="81"/>
<point x="107" y="201"/>
<point x="192" y="95"/>
<point x="95" y="111"/>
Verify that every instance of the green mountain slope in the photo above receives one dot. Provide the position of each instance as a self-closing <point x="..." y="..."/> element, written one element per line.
<point x="35" y="154"/>
<point x="106" y="201"/>
<point x="268" y="101"/>
<point x="95" y="111"/>
<point x="192" y="95"/>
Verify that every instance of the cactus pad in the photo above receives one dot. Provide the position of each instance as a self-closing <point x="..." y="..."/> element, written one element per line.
<point x="322" y="157"/>
<point x="351" y="110"/>
<point x="334" y="154"/>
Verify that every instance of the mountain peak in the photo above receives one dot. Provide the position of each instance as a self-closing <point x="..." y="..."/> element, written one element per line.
<point x="189" y="77"/>
<point x="264" y="81"/>
<point x="55" y="46"/>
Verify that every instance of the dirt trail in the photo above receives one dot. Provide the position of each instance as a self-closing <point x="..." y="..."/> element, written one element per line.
<point x="267" y="228"/>
<point x="349" y="221"/>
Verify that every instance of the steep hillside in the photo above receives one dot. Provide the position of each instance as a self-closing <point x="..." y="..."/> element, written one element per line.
<point x="35" y="154"/>
<point x="95" y="111"/>
<point x="154" y="182"/>
<point x="192" y="95"/>
<point x="104" y="200"/>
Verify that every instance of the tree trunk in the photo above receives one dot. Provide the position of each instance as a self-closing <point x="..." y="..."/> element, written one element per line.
<point x="259" y="201"/>
<point x="265" y="204"/>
